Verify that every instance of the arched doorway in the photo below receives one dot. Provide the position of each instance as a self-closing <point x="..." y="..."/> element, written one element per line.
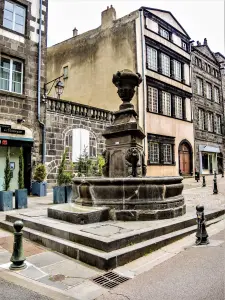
<point x="185" y="158"/>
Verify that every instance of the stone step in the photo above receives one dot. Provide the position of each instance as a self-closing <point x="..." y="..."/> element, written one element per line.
<point x="68" y="232"/>
<point x="103" y="260"/>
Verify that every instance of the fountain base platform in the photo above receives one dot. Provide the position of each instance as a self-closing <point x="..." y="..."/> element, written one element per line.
<point x="124" y="199"/>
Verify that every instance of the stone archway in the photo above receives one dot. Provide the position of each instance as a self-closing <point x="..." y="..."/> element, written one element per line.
<point x="185" y="154"/>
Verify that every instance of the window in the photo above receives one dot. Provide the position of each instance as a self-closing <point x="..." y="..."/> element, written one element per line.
<point x="184" y="45"/>
<point x="205" y="67"/>
<point x="218" y="124"/>
<point x="210" y="121"/>
<point x="166" y="103"/>
<point x="217" y="74"/>
<point x="199" y="86"/>
<point x="65" y="72"/>
<point x="152" y="58"/>
<point x="154" y="152"/>
<point x="177" y="70"/>
<point x="11" y="75"/>
<point x="216" y="95"/>
<point x="164" y="33"/>
<point x="83" y="142"/>
<point x="196" y="61"/>
<point x="14" y="17"/>
<point x="165" y="64"/>
<point x="200" y="63"/>
<point x="152" y="99"/>
<point x="214" y="72"/>
<point x="208" y="90"/>
<point x="201" y="119"/>
<point x="178" y="107"/>
<point x="167" y="153"/>
<point x="160" y="149"/>
<point x="208" y="68"/>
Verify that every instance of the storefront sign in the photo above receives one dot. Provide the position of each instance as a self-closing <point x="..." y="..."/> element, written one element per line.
<point x="8" y="129"/>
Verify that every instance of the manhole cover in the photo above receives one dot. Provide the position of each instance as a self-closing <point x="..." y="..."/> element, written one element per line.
<point x="110" y="280"/>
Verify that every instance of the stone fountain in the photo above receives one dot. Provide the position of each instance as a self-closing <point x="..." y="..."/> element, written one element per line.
<point x="124" y="193"/>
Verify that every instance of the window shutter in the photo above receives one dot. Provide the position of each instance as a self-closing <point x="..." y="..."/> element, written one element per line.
<point x="159" y="60"/>
<point x="184" y="108"/>
<point x="160" y="101"/>
<point x="172" y="68"/>
<point x="173" y="106"/>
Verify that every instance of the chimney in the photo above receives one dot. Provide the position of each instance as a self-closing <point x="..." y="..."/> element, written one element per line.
<point x="198" y="43"/>
<point x="205" y="42"/>
<point x="108" y="16"/>
<point x="75" y="32"/>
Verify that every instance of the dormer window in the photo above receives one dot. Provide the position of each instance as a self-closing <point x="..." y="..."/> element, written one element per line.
<point x="184" y="46"/>
<point x="164" y="33"/>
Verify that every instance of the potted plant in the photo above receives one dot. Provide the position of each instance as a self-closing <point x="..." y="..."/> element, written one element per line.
<point x="6" y="196"/>
<point x="63" y="192"/>
<point x="21" y="193"/>
<point x="39" y="186"/>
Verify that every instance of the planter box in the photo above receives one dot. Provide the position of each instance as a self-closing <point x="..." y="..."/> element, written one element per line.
<point x="6" y="200"/>
<point x="39" y="188"/>
<point x="21" y="198"/>
<point x="62" y="194"/>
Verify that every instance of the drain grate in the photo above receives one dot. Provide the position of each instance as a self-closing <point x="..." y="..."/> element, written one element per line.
<point x="110" y="280"/>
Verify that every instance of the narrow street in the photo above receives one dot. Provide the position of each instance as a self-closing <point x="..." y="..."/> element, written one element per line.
<point x="197" y="273"/>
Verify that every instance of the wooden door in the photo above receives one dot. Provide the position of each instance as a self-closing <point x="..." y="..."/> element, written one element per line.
<point x="184" y="160"/>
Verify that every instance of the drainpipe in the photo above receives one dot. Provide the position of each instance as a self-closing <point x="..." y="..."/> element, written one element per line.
<point x="143" y="72"/>
<point x="39" y="86"/>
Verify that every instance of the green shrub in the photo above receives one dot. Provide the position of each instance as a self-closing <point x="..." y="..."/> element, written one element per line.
<point x="7" y="172"/>
<point x="21" y="170"/>
<point x="64" y="176"/>
<point x="40" y="173"/>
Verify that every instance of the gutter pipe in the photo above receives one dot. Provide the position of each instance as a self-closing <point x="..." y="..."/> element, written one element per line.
<point x="39" y="87"/>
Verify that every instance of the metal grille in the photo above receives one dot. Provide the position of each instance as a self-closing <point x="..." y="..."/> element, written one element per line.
<point x="110" y="280"/>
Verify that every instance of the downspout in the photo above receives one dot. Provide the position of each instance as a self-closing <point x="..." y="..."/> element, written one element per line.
<point x="143" y="73"/>
<point x="39" y="86"/>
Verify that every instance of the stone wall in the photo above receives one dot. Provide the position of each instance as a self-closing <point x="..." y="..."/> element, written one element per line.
<point x="61" y="118"/>
<point x="24" y="47"/>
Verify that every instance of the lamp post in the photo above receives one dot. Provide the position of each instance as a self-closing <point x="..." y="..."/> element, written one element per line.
<point x="59" y="86"/>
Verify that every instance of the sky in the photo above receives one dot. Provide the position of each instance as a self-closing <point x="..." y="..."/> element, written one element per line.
<point x="200" y="18"/>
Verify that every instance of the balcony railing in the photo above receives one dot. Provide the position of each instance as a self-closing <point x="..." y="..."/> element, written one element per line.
<point x="77" y="109"/>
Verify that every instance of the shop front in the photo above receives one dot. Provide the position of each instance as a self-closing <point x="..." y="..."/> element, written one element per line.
<point x="12" y="137"/>
<point x="209" y="158"/>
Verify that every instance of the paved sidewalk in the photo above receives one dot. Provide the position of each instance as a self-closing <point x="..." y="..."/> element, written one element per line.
<point x="71" y="279"/>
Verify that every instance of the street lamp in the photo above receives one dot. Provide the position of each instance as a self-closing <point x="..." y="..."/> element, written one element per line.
<point x="59" y="87"/>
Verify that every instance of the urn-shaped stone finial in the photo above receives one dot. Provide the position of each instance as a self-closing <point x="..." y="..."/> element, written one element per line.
<point x="126" y="81"/>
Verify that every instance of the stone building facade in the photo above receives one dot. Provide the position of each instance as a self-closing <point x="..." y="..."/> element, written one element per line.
<point x="208" y="115"/>
<point x="67" y="123"/>
<point x="153" y="43"/>
<point x="19" y="56"/>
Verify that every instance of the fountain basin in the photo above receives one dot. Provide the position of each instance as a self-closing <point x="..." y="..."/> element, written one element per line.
<point x="132" y="199"/>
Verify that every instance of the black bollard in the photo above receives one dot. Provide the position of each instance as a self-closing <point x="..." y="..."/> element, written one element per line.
<point x="18" y="257"/>
<point x="222" y="174"/>
<point x="215" y="177"/>
<point x="201" y="234"/>
<point x="203" y="181"/>
<point x="215" y="190"/>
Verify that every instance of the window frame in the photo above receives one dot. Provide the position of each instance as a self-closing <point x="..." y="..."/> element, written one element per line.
<point x="12" y="60"/>
<point x="177" y="63"/>
<point x="165" y="101"/>
<point x="178" y="107"/>
<point x="184" y="45"/>
<point x="201" y="111"/>
<point x="216" y="95"/>
<point x="149" y="55"/>
<point x="150" y="103"/>
<point x="218" y="124"/>
<point x="162" y="30"/>
<point x="155" y="159"/>
<point x="14" y="17"/>
<point x="210" y="116"/>
<point x="163" y="66"/>
<point x="165" y="155"/>
<point x="65" y="76"/>
<point x="198" y="79"/>
<point x="207" y="90"/>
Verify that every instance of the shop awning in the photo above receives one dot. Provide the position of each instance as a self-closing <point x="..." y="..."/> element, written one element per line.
<point x="205" y="148"/>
